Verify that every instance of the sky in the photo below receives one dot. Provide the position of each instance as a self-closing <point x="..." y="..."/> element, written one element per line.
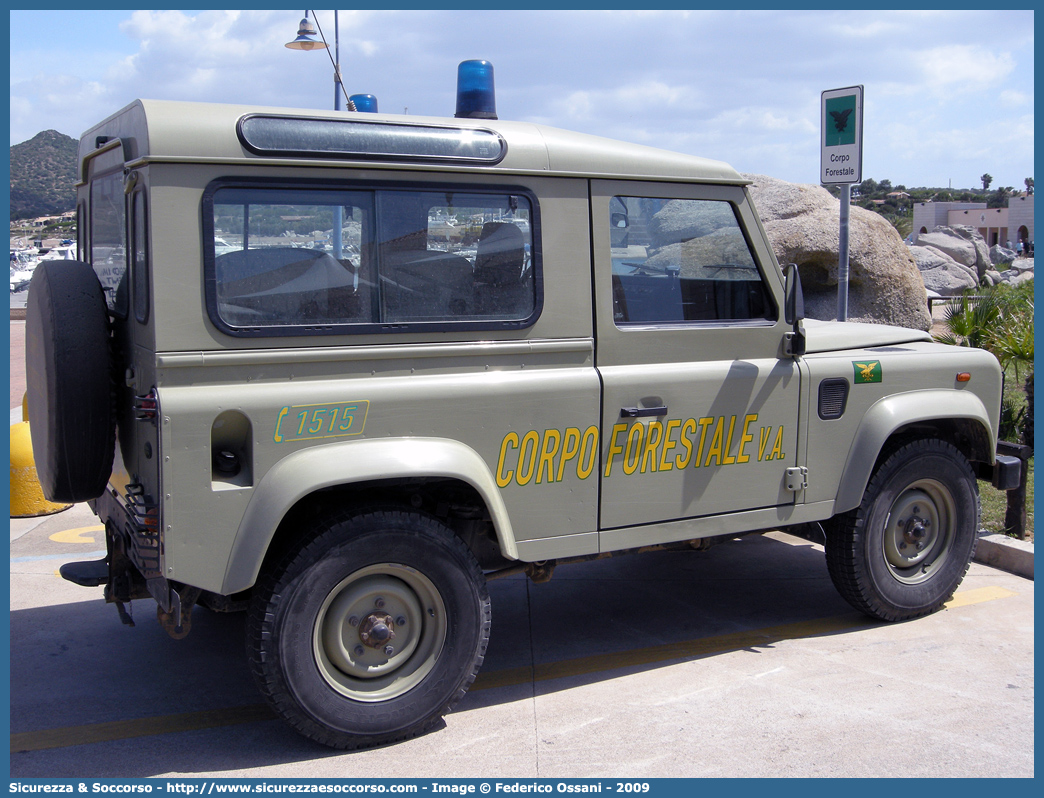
<point x="948" y="94"/>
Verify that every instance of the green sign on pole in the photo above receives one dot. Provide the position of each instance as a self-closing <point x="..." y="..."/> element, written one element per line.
<point x="841" y="159"/>
<point x="841" y="121"/>
<point x="841" y="163"/>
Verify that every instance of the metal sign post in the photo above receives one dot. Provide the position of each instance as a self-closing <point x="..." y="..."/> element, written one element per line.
<point x="842" y="254"/>
<point x="841" y="163"/>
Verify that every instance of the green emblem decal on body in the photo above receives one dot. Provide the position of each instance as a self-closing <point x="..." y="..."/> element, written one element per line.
<point x="867" y="372"/>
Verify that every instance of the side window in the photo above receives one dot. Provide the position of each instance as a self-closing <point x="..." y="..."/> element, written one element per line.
<point x="139" y="255"/>
<point x="108" y="251"/>
<point x="679" y="260"/>
<point x="402" y="257"/>
<point x="277" y="261"/>
<point x="81" y="231"/>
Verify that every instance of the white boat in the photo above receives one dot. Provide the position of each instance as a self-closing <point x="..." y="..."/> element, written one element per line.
<point x="24" y="262"/>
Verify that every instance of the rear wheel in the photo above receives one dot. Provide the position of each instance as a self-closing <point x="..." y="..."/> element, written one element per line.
<point x="904" y="551"/>
<point x="372" y="631"/>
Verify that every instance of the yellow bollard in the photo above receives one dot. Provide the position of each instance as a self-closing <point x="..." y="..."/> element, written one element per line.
<point x="27" y="497"/>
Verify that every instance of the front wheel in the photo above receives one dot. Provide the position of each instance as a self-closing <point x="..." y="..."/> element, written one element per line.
<point x="372" y="631"/>
<point x="903" y="552"/>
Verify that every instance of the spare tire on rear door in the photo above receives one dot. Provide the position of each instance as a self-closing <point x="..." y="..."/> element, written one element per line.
<point x="71" y="415"/>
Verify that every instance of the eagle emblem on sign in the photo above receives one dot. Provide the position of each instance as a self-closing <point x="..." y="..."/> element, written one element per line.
<point x="841" y="119"/>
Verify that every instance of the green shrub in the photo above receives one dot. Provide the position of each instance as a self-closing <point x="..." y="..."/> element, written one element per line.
<point x="998" y="319"/>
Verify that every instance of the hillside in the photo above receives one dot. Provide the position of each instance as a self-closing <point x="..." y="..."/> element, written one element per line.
<point x="43" y="173"/>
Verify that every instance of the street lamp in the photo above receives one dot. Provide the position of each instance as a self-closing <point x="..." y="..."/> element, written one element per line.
<point x="305" y="34"/>
<point x="305" y="41"/>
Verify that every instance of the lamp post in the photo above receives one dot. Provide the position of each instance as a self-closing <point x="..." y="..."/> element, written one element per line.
<point x="306" y="41"/>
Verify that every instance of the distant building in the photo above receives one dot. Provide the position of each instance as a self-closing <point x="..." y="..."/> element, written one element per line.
<point x="996" y="225"/>
<point x="929" y="215"/>
<point x="1020" y="217"/>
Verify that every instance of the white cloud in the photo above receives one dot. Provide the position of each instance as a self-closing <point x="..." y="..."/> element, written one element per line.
<point x="961" y="68"/>
<point x="579" y="105"/>
<point x="1009" y="98"/>
<point x="868" y="29"/>
<point x="754" y="121"/>
<point x="1001" y="147"/>
<point x="368" y="49"/>
<point x="652" y="93"/>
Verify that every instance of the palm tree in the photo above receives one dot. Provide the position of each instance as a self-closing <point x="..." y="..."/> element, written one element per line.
<point x="999" y="320"/>
<point x="1012" y="342"/>
<point x="970" y="321"/>
<point x="986" y="180"/>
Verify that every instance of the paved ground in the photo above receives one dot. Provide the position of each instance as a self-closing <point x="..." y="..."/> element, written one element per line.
<point x="739" y="661"/>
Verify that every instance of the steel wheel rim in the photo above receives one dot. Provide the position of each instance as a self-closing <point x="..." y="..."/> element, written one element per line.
<point x="349" y="652"/>
<point x="919" y="531"/>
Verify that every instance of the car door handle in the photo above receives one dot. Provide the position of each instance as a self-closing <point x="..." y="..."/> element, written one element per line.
<point x="642" y="412"/>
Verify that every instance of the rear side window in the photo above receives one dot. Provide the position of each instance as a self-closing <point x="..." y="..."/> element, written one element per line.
<point x="298" y="260"/>
<point x="139" y="256"/>
<point x="682" y="260"/>
<point x="108" y="250"/>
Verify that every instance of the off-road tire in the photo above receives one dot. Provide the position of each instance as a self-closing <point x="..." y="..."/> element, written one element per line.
<point x="922" y="493"/>
<point x="69" y="381"/>
<point x="304" y="639"/>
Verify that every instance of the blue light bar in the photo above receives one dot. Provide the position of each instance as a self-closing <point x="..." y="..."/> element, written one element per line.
<point x="365" y="103"/>
<point x="476" y="98"/>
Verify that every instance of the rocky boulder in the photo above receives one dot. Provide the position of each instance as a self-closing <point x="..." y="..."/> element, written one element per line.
<point x="802" y="223"/>
<point x="964" y="244"/>
<point x="941" y="273"/>
<point x="1001" y="255"/>
<point x="1021" y="266"/>
<point x="955" y="247"/>
<point x="982" y="252"/>
<point x="1019" y="271"/>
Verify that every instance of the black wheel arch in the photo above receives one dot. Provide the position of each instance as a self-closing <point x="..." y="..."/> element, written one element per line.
<point x="453" y="502"/>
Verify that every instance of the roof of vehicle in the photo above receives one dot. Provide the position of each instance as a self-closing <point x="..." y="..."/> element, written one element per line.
<point x="160" y="130"/>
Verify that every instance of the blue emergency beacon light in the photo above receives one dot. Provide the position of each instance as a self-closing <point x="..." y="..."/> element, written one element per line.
<point x="366" y="103"/>
<point x="476" y="98"/>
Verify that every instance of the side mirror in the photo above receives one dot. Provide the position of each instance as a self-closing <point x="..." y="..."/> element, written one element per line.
<point x="793" y="298"/>
<point x="618" y="220"/>
<point x="793" y="311"/>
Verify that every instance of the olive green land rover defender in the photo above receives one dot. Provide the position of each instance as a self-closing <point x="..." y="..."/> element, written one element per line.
<point x="339" y="369"/>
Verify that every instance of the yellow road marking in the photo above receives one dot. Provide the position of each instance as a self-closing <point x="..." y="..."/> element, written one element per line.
<point x="978" y="596"/>
<point x="78" y="535"/>
<point x="507" y="677"/>
<point x="140" y="727"/>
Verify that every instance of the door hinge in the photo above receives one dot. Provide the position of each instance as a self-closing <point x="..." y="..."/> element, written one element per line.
<point x="794" y="344"/>
<point x="797" y="478"/>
